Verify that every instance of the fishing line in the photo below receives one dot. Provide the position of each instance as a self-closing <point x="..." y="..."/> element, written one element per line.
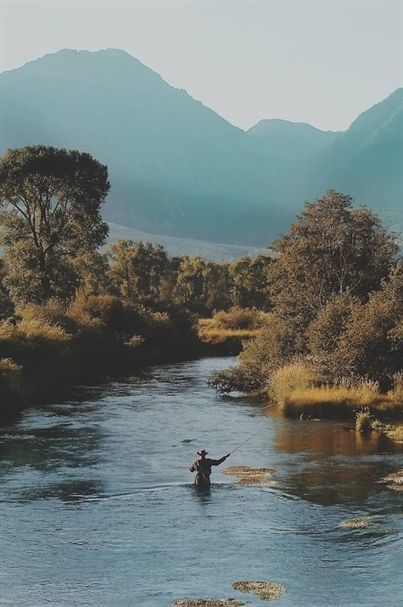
<point x="245" y="441"/>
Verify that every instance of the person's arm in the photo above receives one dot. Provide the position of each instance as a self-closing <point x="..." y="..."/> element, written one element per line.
<point x="192" y="468"/>
<point x="217" y="462"/>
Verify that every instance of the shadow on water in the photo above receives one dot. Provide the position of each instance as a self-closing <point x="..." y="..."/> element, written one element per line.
<point x="66" y="491"/>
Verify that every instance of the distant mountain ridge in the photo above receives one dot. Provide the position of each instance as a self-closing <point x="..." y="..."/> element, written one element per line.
<point x="178" y="168"/>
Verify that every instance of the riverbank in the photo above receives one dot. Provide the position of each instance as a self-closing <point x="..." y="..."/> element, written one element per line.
<point x="45" y="351"/>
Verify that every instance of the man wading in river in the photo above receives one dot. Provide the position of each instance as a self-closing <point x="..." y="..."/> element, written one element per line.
<point x="202" y="466"/>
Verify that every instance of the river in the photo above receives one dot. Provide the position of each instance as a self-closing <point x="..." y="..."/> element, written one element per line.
<point x="98" y="507"/>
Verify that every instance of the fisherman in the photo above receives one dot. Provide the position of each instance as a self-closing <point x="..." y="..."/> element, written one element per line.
<point x="202" y="466"/>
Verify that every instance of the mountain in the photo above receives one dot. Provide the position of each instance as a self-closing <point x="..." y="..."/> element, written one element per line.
<point x="367" y="160"/>
<point x="177" y="168"/>
<point x="175" y="165"/>
<point x="292" y="140"/>
<point x="175" y="246"/>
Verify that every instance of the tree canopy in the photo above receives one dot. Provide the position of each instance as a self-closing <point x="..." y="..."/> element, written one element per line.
<point x="50" y="203"/>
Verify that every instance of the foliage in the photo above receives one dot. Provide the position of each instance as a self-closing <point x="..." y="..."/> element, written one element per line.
<point x="50" y="213"/>
<point x="371" y="344"/>
<point x="249" y="282"/>
<point x="236" y="379"/>
<point x="137" y="270"/>
<point x="332" y="249"/>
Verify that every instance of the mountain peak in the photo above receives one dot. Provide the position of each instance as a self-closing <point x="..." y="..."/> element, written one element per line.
<point x="271" y="126"/>
<point x="74" y="63"/>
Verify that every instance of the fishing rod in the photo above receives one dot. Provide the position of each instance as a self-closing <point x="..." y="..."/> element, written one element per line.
<point x="245" y="441"/>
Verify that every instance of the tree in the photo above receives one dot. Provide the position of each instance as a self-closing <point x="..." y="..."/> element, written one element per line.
<point x="137" y="270"/>
<point x="372" y="343"/>
<point x="250" y="282"/>
<point x="190" y="288"/>
<point x="331" y="249"/>
<point x="6" y="307"/>
<point x="50" y="203"/>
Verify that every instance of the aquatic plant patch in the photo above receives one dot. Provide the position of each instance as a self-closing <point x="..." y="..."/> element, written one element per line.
<point x="356" y="523"/>
<point x="208" y="603"/>
<point x="269" y="591"/>
<point x="251" y="476"/>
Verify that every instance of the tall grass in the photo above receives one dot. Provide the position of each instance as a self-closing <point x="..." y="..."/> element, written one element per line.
<point x="299" y="390"/>
<point x="291" y="378"/>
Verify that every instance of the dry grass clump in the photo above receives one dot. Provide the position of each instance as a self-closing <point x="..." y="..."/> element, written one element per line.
<point x="356" y="523"/>
<point x="8" y="365"/>
<point x="37" y="329"/>
<point x="30" y="328"/>
<point x="363" y="420"/>
<point x="394" y="432"/>
<point x="209" y="333"/>
<point x="290" y="378"/>
<point x="251" y="476"/>
<point x="239" y="318"/>
<point x="333" y="401"/>
<point x="395" y="480"/>
<point x="397" y="393"/>
<point x="208" y="603"/>
<point x="269" y="591"/>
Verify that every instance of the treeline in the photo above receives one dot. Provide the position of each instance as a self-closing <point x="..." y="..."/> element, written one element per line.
<point x="70" y="313"/>
<point x="334" y="338"/>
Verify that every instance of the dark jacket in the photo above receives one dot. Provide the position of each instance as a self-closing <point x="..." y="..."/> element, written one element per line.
<point x="204" y="464"/>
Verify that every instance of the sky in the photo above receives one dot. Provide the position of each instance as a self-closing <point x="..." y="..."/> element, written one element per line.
<point x="320" y="62"/>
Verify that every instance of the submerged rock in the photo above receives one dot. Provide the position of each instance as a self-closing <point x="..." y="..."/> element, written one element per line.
<point x="270" y="591"/>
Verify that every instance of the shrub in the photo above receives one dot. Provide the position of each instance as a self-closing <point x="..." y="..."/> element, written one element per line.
<point x="236" y="379"/>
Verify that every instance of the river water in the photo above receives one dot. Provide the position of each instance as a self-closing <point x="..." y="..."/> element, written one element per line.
<point x="98" y="507"/>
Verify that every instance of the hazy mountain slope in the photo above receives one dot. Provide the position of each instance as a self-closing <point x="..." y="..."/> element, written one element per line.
<point x="185" y="246"/>
<point x="177" y="168"/>
<point x="175" y="165"/>
<point x="287" y="151"/>
<point x="283" y="139"/>
<point x="367" y="160"/>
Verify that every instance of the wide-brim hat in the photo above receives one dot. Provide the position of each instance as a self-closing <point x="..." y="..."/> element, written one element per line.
<point x="202" y="452"/>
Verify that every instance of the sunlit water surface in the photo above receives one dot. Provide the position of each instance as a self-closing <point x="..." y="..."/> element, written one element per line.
<point x="98" y="507"/>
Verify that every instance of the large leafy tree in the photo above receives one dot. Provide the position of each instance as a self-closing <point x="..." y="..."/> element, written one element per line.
<point x="250" y="282"/>
<point x="50" y="215"/>
<point x="332" y="249"/>
<point x="137" y="270"/>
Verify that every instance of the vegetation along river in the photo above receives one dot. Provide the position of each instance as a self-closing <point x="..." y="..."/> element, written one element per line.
<point x="98" y="507"/>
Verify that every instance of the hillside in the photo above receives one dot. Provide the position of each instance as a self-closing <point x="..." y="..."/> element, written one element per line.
<point x="177" y="168"/>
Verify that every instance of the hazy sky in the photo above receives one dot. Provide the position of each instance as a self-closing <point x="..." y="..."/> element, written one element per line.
<point x="321" y="62"/>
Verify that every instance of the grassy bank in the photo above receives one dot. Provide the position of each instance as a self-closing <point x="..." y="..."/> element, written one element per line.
<point x="299" y="390"/>
<point x="47" y="350"/>
<point x="227" y="331"/>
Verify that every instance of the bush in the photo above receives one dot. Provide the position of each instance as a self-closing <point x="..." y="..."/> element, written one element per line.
<point x="236" y="379"/>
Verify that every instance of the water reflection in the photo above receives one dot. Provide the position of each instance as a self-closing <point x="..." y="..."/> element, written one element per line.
<point x="74" y="490"/>
<point x="46" y="457"/>
<point x="334" y="464"/>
